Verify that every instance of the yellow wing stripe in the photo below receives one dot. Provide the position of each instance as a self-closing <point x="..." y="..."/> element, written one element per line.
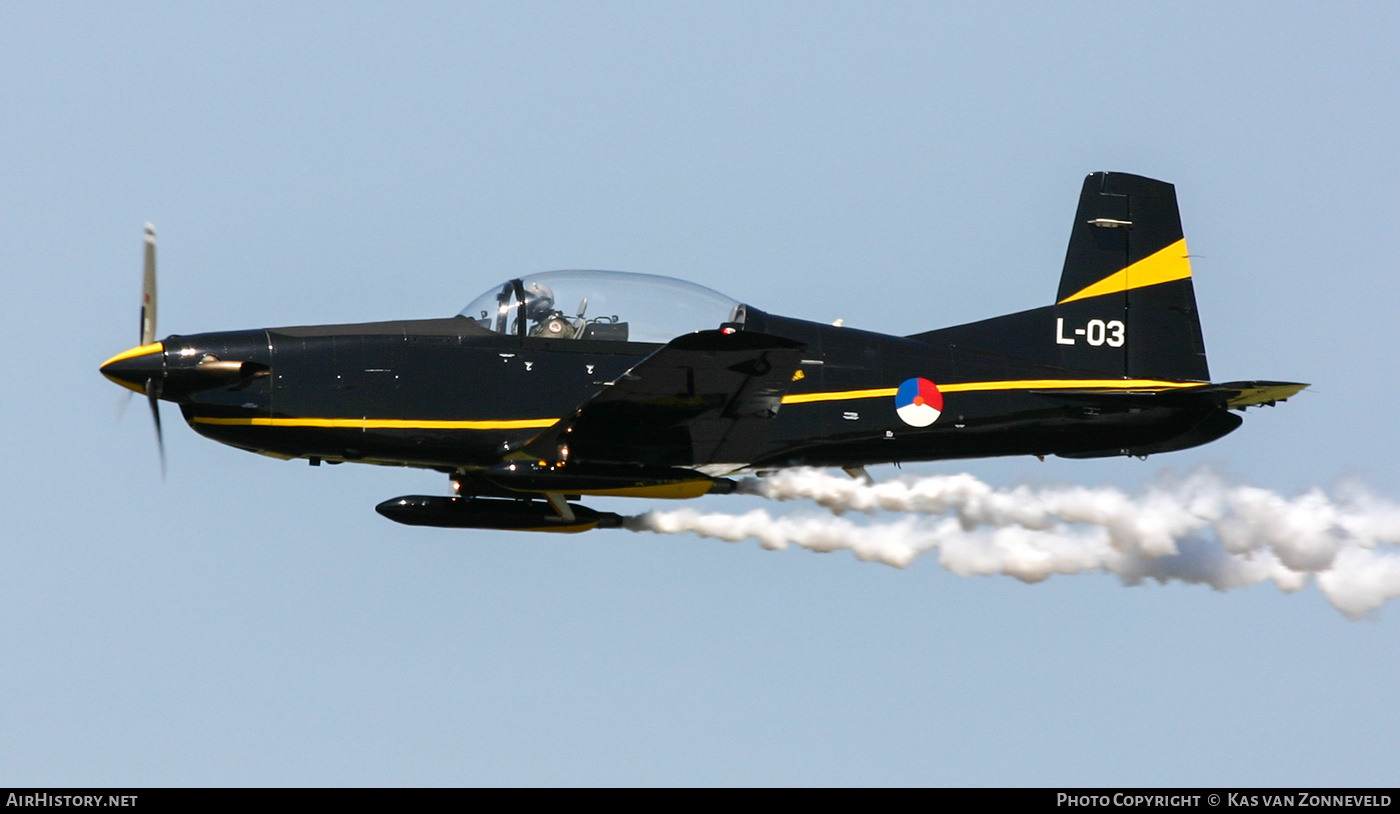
<point x="670" y="491"/>
<point x="1171" y="263"/>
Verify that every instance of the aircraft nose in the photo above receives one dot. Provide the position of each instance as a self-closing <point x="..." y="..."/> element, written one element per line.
<point x="133" y="368"/>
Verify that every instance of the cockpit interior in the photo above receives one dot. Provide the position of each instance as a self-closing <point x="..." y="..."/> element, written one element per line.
<point x="602" y="305"/>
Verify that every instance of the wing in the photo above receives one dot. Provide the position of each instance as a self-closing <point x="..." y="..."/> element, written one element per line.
<point x="705" y="397"/>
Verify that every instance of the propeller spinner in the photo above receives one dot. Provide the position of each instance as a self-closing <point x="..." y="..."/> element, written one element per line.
<point x="174" y="376"/>
<point x="142" y="369"/>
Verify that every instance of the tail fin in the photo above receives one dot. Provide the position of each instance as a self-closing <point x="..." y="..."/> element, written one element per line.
<point x="1127" y="258"/>
<point x="1125" y="308"/>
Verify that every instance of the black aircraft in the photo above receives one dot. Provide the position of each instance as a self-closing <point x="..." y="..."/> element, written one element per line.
<point x="570" y="383"/>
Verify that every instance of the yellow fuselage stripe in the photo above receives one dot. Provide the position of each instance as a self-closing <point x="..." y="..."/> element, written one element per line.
<point x="1071" y="384"/>
<point x="1015" y="384"/>
<point x="798" y="398"/>
<point x="803" y="398"/>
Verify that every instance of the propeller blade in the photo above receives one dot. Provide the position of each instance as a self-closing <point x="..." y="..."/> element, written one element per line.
<point x="153" y="396"/>
<point x="148" y="290"/>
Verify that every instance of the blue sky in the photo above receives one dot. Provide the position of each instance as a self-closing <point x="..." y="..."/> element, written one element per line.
<point x="901" y="166"/>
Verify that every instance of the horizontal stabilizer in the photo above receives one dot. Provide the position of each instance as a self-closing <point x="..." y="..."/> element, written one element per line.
<point x="1240" y="395"/>
<point x="1235" y="395"/>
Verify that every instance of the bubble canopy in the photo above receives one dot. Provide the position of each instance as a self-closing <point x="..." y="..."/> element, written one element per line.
<point x="602" y="305"/>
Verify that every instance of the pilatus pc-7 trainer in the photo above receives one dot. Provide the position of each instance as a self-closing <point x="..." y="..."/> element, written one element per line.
<point x="559" y="385"/>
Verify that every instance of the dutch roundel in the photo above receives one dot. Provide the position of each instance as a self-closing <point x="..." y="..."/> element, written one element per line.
<point x="918" y="402"/>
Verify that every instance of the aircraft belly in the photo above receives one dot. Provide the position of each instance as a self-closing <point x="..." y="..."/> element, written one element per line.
<point x="988" y="424"/>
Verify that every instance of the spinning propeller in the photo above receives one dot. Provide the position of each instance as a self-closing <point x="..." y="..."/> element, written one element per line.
<point x="177" y="372"/>
<point x="148" y="335"/>
<point x="142" y="369"/>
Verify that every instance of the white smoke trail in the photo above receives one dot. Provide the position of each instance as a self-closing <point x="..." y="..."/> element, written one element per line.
<point x="1195" y="529"/>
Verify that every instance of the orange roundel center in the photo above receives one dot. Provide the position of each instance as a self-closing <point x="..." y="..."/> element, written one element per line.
<point x="919" y="400"/>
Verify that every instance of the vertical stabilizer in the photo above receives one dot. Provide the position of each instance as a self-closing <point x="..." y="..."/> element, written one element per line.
<point x="1125" y="306"/>
<point x="1127" y="266"/>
